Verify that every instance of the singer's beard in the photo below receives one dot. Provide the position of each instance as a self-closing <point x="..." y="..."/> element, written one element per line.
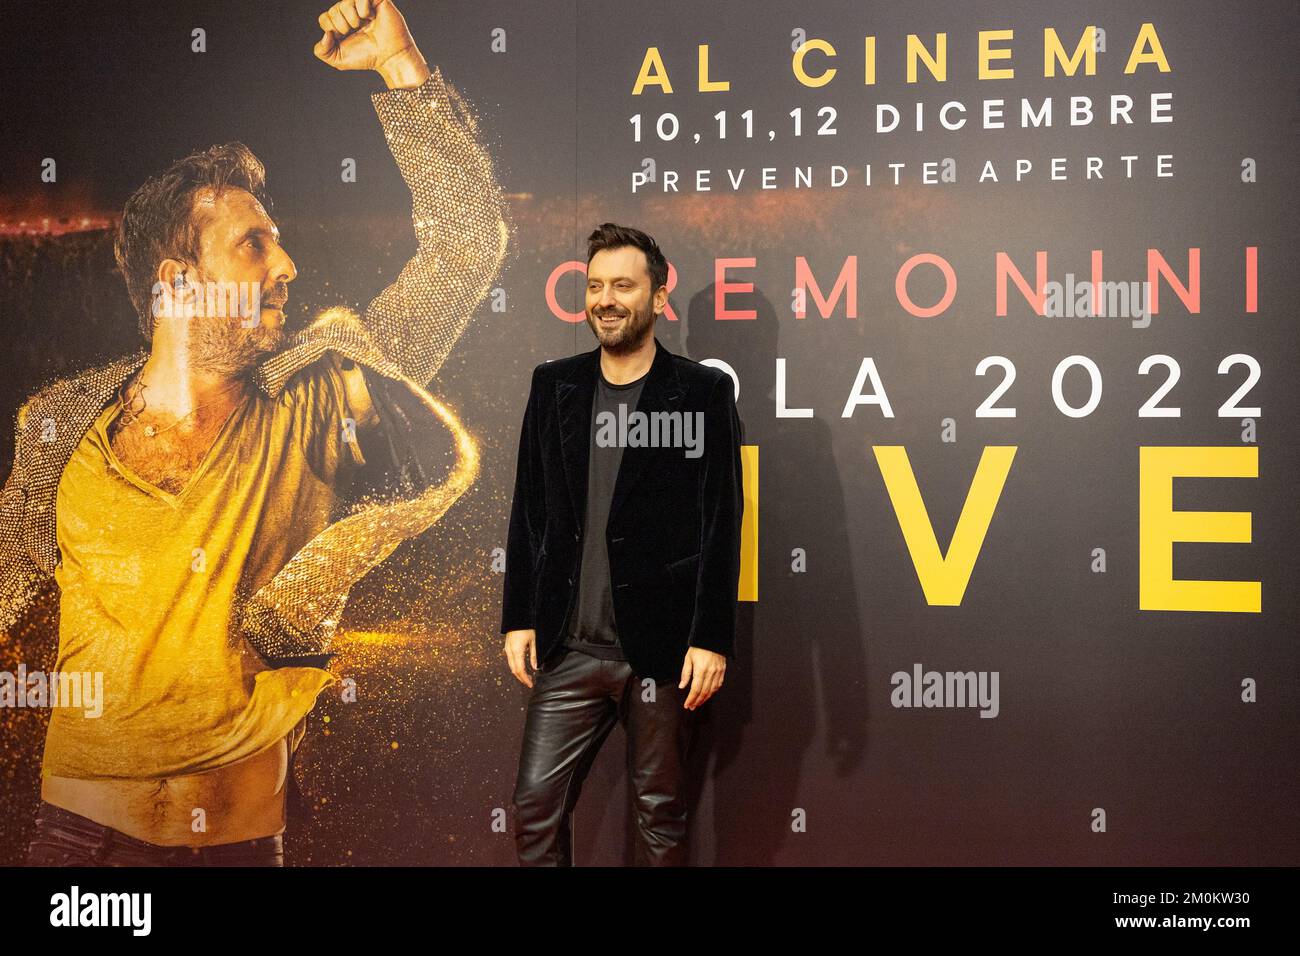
<point x="221" y="345"/>
<point x="630" y="334"/>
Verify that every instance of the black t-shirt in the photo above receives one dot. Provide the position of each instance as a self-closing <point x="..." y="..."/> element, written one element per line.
<point x="592" y="629"/>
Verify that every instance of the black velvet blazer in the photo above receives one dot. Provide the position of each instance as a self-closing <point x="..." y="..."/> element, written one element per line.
<point x="674" y="523"/>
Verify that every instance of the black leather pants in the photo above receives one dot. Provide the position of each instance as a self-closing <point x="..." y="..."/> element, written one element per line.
<point x="575" y="702"/>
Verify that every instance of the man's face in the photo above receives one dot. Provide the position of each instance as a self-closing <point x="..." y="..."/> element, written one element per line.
<point x="238" y="243"/>
<point x="620" y="309"/>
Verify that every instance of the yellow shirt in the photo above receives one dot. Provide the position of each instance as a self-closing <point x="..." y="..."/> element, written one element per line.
<point x="150" y="583"/>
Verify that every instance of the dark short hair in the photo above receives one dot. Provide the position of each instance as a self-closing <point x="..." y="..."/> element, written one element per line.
<point x="608" y="235"/>
<point x="158" y="221"/>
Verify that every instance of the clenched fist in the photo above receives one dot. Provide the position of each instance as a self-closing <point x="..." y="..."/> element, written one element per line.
<point x="371" y="35"/>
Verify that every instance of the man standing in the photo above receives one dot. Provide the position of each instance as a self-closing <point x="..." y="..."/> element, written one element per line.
<point x="200" y="567"/>
<point x="623" y="558"/>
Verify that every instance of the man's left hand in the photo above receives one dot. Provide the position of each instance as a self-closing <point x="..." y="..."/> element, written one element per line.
<point x="703" y="670"/>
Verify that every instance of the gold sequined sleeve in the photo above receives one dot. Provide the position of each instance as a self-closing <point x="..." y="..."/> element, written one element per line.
<point x="460" y="225"/>
<point x="20" y="578"/>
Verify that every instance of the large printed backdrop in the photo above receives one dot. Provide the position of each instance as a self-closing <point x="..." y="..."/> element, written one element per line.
<point x="1123" y="733"/>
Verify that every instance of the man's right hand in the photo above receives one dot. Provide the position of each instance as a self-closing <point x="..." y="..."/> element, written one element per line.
<point x="371" y="35"/>
<point x="520" y="648"/>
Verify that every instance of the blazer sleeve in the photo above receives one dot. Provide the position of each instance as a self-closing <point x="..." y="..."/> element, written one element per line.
<point x="722" y="503"/>
<point x="527" y="520"/>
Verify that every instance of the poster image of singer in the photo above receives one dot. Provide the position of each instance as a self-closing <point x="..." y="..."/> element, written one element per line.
<point x="183" y="524"/>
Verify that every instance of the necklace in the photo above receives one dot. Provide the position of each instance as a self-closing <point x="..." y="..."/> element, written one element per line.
<point x="131" y="415"/>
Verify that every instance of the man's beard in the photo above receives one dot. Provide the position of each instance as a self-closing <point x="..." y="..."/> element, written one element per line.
<point x="629" y="336"/>
<point x="222" y="346"/>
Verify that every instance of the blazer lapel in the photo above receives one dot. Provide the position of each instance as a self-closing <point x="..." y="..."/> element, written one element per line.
<point x="573" y="398"/>
<point x="662" y="392"/>
<point x="74" y="405"/>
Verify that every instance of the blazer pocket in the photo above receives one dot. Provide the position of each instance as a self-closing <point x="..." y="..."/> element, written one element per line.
<point x="680" y="576"/>
<point x="538" y="565"/>
<point x="689" y="563"/>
